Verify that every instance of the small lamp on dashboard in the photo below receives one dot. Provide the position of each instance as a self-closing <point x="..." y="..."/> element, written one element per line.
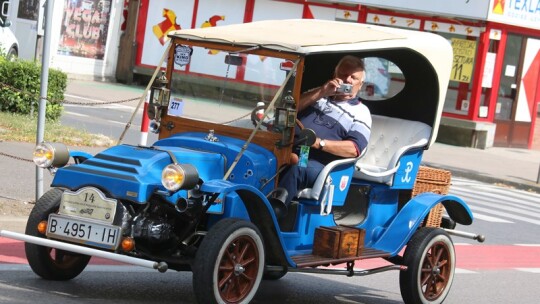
<point x="159" y="97"/>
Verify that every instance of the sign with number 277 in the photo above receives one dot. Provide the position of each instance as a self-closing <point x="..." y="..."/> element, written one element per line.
<point x="176" y="107"/>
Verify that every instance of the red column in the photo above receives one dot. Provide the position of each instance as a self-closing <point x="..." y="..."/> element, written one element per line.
<point x="362" y="14"/>
<point x="476" y="92"/>
<point x="497" y="72"/>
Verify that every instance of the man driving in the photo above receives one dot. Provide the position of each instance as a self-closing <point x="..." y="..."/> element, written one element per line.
<point x="340" y="120"/>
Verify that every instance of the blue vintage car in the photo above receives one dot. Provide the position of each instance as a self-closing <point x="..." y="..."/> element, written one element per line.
<point x="202" y="197"/>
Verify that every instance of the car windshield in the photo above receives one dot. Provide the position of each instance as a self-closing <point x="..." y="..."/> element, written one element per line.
<point x="226" y="88"/>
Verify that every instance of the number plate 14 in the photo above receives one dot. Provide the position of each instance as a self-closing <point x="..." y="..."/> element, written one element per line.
<point x="88" y="203"/>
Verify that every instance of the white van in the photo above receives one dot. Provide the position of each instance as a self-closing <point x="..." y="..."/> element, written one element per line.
<point x="8" y="42"/>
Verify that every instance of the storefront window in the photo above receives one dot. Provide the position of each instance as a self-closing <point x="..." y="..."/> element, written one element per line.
<point x="459" y="89"/>
<point x="509" y="78"/>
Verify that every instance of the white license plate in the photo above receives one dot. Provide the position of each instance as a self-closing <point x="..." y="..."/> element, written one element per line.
<point x="88" y="203"/>
<point x="83" y="232"/>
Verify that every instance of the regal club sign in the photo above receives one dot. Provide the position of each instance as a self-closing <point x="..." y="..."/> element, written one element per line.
<point x="84" y="28"/>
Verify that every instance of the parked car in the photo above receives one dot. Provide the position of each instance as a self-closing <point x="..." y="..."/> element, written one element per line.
<point x="8" y="42"/>
<point x="199" y="198"/>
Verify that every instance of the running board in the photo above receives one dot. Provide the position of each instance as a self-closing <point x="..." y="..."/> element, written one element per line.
<point x="310" y="260"/>
<point x="160" y="266"/>
<point x="350" y="272"/>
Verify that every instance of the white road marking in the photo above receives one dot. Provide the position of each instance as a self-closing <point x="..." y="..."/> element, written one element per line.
<point x="530" y="270"/>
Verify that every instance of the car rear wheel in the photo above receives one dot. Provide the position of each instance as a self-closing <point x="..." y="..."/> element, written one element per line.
<point x="50" y="263"/>
<point x="229" y="263"/>
<point x="431" y="260"/>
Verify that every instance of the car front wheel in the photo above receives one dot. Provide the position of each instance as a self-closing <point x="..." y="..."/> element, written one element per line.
<point x="229" y="263"/>
<point x="431" y="260"/>
<point x="50" y="263"/>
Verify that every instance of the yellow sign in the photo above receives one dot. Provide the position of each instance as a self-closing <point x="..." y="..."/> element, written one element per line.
<point x="464" y="52"/>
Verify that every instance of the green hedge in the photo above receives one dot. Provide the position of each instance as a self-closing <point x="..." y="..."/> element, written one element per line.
<point x="20" y="84"/>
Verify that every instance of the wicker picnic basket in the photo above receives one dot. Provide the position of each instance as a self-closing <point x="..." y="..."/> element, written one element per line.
<point x="436" y="181"/>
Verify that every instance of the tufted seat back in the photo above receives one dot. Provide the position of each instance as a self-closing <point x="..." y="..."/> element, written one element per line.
<point x="390" y="139"/>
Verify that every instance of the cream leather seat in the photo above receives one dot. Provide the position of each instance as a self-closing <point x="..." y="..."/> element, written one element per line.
<point x="390" y="139"/>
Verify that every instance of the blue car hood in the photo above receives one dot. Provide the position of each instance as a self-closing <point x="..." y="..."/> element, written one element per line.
<point x="134" y="173"/>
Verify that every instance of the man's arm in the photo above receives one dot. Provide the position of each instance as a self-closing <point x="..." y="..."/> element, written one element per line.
<point x="357" y="136"/>
<point x="341" y="148"/>
<point x="310" y="97"/>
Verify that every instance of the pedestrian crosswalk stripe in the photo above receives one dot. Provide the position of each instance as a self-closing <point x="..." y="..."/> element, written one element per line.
<point x="496" y="204"/>
<point x="521" y="194"/>
<point x="530" y="203"/>
<point x="505" y="214"/>
<point x="501" y="206"/>
<point x="492" y="219"/>
<point x="531" y="270"/>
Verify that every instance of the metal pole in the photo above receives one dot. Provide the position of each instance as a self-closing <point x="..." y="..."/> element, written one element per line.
<point x="538" y="178"/>
<point x="144" y="124"/>
<point x="43" y="90"/>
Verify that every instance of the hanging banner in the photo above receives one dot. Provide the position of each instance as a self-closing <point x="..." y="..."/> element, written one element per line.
<point x="464" y="52"/>
<point x="84" y="28"/>
<point x="394" y="21"/>
<point x="476" y="9"/>
<point x="452" y="28"/>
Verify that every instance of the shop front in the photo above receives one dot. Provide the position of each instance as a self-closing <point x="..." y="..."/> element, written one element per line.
<point x="517" y="72"/>
<point x="467" y="119"/>
<point x="465" y="122"/>
<point x="493" y="94"/>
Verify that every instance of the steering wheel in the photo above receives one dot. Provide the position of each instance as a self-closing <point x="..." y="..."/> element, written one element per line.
<point x="305" y="137"/>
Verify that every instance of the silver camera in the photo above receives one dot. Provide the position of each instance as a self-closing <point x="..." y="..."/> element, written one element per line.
<point x="344" y="88"/>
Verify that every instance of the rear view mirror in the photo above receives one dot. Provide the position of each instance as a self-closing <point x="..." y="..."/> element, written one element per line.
<point x="234" y="60"/>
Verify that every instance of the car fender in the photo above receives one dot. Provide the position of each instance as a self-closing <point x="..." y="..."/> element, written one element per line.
<point x="406" y="222"/>
<point x="260" y="213"/>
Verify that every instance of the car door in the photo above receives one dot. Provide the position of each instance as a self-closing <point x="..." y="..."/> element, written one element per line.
<point x="8" y="42"/>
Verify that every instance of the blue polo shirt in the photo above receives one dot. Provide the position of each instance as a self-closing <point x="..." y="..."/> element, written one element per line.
<point x="337" y="120"/>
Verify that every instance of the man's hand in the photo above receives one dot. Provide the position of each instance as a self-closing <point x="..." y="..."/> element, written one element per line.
<point x="331" y="86"/>
<point x="311" y="96"/>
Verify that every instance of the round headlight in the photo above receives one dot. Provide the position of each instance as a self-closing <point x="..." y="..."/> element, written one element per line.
<point x="175" y="177"/>
<point x="48" y="155"/>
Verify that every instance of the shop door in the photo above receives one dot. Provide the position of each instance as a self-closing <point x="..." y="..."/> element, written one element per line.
<point x="515" y="114"/>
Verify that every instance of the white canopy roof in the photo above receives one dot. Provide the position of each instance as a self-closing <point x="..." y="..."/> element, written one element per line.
<point x="296" y="35"/>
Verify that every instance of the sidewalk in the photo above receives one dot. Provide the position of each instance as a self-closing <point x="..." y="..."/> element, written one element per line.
<point x="518" y="168"/>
